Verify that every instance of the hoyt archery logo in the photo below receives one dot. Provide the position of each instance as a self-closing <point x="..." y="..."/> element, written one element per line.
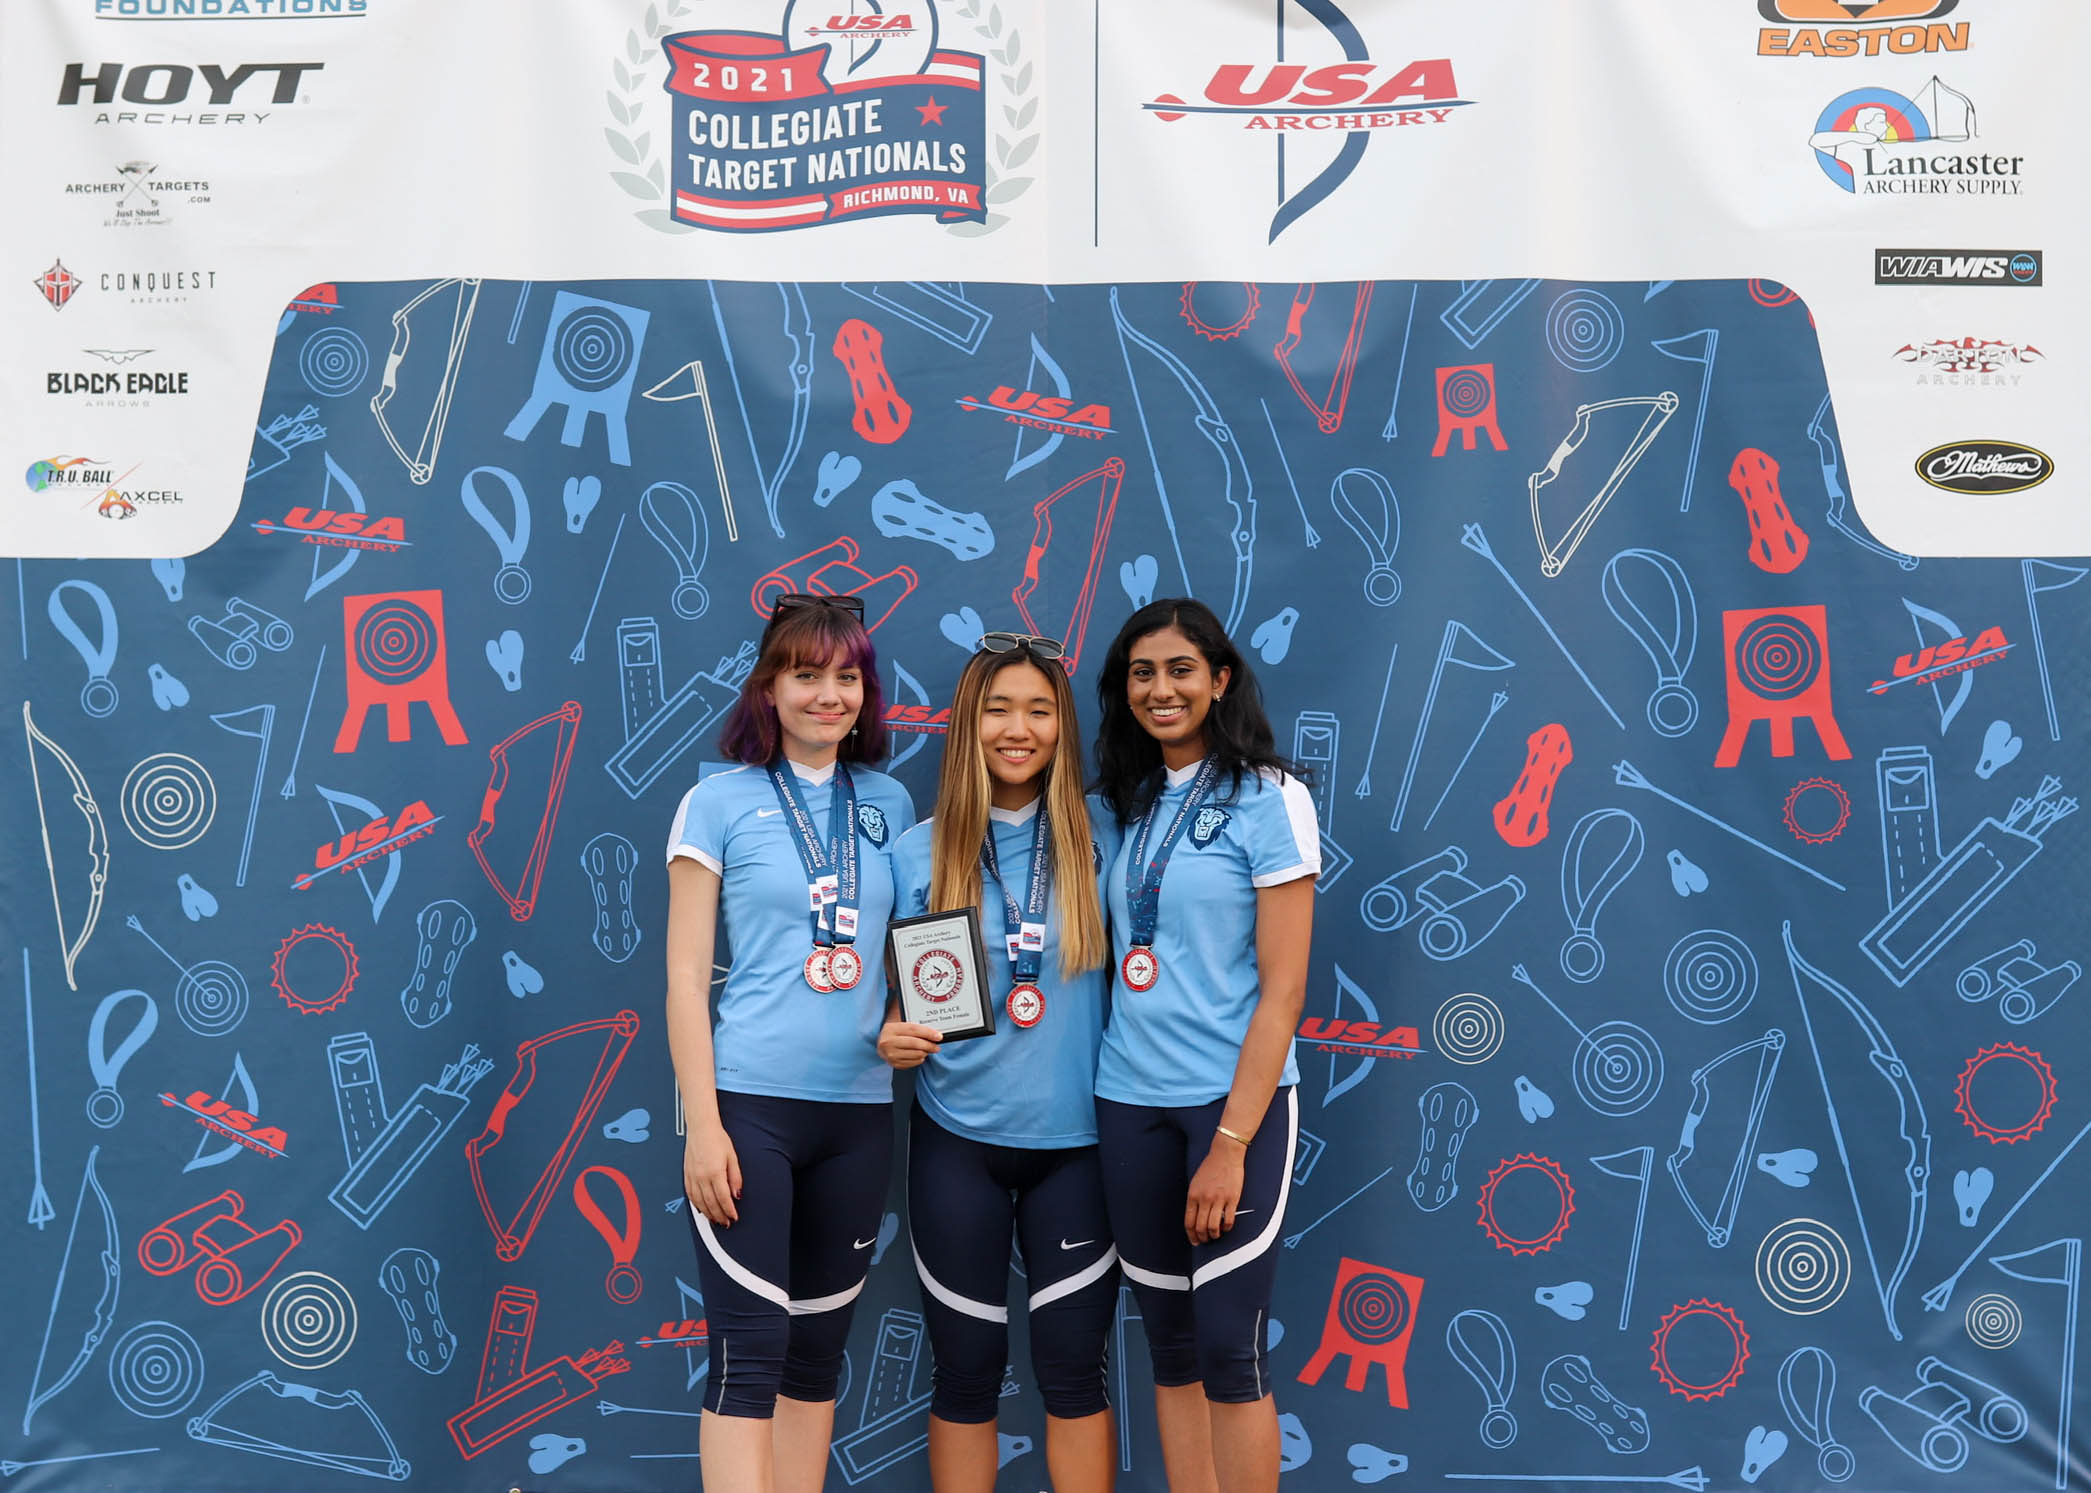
<point x="167" y="93"/>
<point x="1968" y="362"/>
<point x="384" y="835"/>
<point x="1874" y="141"/>
<point x="1348" y="101"/>
<point x="1047" y="412"/>
<point x="341" y="528"/>
<point x="1858" y="29"/>
<point x="1360" y="1038"/>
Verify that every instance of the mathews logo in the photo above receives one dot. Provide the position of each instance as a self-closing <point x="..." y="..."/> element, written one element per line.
<point x="1980" y="468"/>
<point x="229" y="10"/>
<point x="1360" y="1038"/>
<point x="1353" y="99"/>
<point x="1999" y="267"/>
<point x="382" y="836"/>
<point x="1874" y="141"/>
<point x="1936" y="662"/>
<point x="344" y="528"/>
<point x="1859" y="29"/>
<point x="167" y="90"/>
<point x="57" y="285"/>
<point x="1050" y="412"/>
<point x="138" y="196"/>
<point x="1966" y="362"/>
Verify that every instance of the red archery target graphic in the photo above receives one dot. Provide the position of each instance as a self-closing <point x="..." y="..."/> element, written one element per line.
<point x="396" y="656"/>
<point x="1778" y="662"/>
<point x="1466" y="404"/>
<point x="1372" y="1313"/>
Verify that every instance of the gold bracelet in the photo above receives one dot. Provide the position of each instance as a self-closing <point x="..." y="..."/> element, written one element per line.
<point x="1240" y="1140"/>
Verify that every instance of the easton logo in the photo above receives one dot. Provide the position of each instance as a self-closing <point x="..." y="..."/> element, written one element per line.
<point x="1977" y="468"/>
<point x="382" y="836"/>
<point x="1047" y="412"/>
<point x="341" y="527"/>
<point x="1859" y="29"/>
<point x="1360" y="1038"/>
<point x="2000" y="267"/>
<point x="236" y="1124"/>
<point x="1954" y="656"/>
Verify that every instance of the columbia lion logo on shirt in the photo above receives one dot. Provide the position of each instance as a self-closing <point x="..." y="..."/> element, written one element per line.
<point x="1207" y="826"/>
<point x="872" y="820"/>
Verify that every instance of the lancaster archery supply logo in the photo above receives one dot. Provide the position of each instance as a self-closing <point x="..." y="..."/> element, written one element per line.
<point x="1938" y="661"/>
<point x="1874" y="141"/>
<point x="819" y="112"/>
<point x="138" y="194"/>
<point x="1351" y="101"/>
<point x="57" y="285"/>
<point x="1981" y="468"/>
<point x="1988" y="267"/>
<point x="230" y="10"/>
<point x="340" y="528"/>
<point x="167" y="93"/>
<point x="1859" y="29"/>
<point x="1968" y="362"/>
<point x="1057" y="414"/>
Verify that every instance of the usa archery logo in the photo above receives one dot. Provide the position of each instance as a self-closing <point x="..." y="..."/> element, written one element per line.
<point x="1345" y="102"/>
<point x="872" y="820"/>
<point x="1207" y="826"/>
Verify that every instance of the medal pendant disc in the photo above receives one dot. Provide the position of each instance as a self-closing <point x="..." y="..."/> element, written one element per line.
<point x="1026" y="1005"/>
<point x="1141" y="969"/>
<point x="845" y="967"/>
<point x="817" y="974"/>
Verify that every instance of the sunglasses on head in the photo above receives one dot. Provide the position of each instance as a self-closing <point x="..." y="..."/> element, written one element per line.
<point x="1009" y="642"/>
<point x="792" y="601"/>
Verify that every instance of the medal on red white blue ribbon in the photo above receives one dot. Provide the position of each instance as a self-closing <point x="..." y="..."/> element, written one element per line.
<point x="1024" y="927"/>
<point x="831" y="877"/>
<point x="1143" y="881"/>
<point x="1026" y="1004"/>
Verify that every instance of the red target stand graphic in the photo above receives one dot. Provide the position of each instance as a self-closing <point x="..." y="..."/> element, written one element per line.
<point x="1466" y="404"/>
<point x="1372" y="1314"/>
<point x="397" y="656"/>
<point x="1778" y="661"/>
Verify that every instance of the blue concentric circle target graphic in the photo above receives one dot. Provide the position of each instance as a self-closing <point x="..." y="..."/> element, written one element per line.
<point x="396" y="641"/>
<point x="1467" y="392"/>
<point x="1778" y="657"/>
<point x="308" y="1320"/>
<point x="592" y="349"/>
<point x="333" y="361"/>
<point x="1993" y="1321"/>
<point x="1373" y="1308"/>
<point x="1584" y="330"/>
<point x="1710" y="976"/>
<point x="156" y="1370"/>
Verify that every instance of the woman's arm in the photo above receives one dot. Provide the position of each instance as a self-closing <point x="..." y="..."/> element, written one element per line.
<point x="1284" y="928"/>
<point x="711" y="1171"/>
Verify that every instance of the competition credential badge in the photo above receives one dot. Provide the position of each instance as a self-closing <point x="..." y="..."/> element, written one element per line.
<point x="839" y="115"/>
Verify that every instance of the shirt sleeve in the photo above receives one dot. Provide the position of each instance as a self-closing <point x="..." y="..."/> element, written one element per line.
<point x="911" y="867"/>
<point x="1282" y="836"/>
<point x="699" y="828"/>
<point x="1105" y="834"/>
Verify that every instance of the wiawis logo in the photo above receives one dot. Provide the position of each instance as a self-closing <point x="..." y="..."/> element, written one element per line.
<point x="57" y="285"/>
<point x="167" y="90"/>
<point x="1940" y="660"/>
<point x="1360" y="1038"/>
<point x="1874" y="142"/>
<point x="1968" y="362"/>
<point x="1048" y="412"/>
<point x="1995" y="267"/>
<point x="1984" y="468"/>
<point x="1858" y="29"/>
<point x="1353" y="99"/>
<point x="234" y="1124"/>
<point x="384" y="835"/>
<point x="342" y="528"/>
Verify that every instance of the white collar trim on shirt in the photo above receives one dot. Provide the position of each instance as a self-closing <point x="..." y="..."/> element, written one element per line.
<point x="1176" y="777"/>
<point x="816" y="776"/>
<point x="1016" y="816"/>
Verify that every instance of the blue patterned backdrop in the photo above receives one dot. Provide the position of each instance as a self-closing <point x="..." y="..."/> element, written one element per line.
<point x="1687" y="1083"/>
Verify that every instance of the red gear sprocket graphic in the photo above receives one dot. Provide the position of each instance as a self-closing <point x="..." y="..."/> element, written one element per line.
<point x="1211" y="331"/>
<point x="1963" y="1093"/>
<point x="1660" y="1349"/>
<point x="1835" y="791"/>
<point x="280" y="978"/>
<point x="1525" y="1162"/>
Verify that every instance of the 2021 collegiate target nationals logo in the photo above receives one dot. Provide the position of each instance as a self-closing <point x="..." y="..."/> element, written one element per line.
<point x="1875" y="141"/>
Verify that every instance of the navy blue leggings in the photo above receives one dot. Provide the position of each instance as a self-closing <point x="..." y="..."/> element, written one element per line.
<point x="1206" y="1307"/>
<point x="964" y="1197"/>
<point x="781" y="1284"/>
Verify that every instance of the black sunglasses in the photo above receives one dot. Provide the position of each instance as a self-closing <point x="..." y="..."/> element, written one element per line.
<point x="1009" y="642"/>
<point x="792" y="601"/>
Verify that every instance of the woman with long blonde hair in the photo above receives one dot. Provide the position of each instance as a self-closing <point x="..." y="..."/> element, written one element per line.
<point x="1003" y="1134"/>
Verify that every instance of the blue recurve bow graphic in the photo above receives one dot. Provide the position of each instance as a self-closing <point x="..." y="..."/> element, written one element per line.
<point x="1332" y="176"/>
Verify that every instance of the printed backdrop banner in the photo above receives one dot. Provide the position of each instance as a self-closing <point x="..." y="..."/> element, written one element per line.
<point x="1687" y="1085"/>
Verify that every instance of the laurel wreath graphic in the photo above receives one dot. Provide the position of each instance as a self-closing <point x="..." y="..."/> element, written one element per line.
<point x="1015" y="139"/>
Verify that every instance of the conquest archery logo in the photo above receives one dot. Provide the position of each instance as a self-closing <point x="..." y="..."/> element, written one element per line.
<point x="1054" y="413"/>
<point x="165" y="92"/>
<point x="382" y="836"/>
<point x="159" y="285"/>
<point x="230" y="10"/>
<point x="1874" y="141"/>
<point x="1353" y="99"/>
<point x="1938" y="661"/>
<point x="1988" y="267"/>
<point x="57" y="285"/>
<point x="1968" y="362"/>
<point x="340" y="528"/>
<point x="1859" y="29"/>
<point x="1360" y="1038"/>
<point x="138" y="195"/>
<point x="1984" y="468"/>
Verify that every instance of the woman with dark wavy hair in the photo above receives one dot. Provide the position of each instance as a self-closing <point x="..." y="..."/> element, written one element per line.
<point x="1212" y="907"/>
<point x="786" y="1103"/>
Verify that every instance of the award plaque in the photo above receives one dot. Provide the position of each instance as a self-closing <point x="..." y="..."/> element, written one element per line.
<point x="937" y="965"/>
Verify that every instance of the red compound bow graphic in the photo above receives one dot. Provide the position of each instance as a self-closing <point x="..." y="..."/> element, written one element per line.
<point x="1964" y="1093"/>
<point x="1660" y="1355"/>
<point x="1552" y="1172"/>
<point x="279" y="974"/>
<point x="1801" y="790"/>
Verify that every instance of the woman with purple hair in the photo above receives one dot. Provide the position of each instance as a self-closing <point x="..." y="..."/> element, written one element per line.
<point x="786" y="1101"/>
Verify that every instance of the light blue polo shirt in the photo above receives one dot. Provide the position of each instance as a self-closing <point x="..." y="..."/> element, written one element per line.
<point x="1176" y="1044"/>
<point x="773" y="1033"/>
<point x="1035" y="1087"/>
